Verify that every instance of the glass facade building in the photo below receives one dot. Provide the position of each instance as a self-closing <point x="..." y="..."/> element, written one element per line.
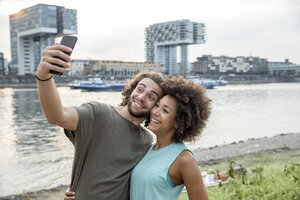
<point x="1" y="64"/>
<point x="33" y="29"/>
<point x="163" y="39"/>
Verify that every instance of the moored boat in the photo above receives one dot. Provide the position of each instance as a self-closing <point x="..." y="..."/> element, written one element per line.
<point x="209" y="83"/>
<point x="109" y="86"/>
<point x="96" y="84"/>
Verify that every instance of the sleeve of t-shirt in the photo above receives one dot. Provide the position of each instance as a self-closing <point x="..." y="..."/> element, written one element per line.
<point x="87" y="114"/>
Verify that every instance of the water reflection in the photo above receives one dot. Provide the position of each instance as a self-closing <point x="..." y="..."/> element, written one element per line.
<point x="6" y="117"/>
<point x="7" y="138"/>
<point x="38" y="153"/>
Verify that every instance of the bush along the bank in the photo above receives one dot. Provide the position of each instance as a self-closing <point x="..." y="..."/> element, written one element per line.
<point x="263" y="183"/>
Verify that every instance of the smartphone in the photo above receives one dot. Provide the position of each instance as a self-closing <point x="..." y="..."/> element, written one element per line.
<point x="68" y="41"/>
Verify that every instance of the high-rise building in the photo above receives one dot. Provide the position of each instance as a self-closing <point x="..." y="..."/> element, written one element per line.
<point x="33" y="29"/>
<point x="1" y="64"/>
<point x="163" y="39"/>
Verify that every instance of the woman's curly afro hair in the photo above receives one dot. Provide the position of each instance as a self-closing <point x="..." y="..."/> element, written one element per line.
<point x="193" y="107"/>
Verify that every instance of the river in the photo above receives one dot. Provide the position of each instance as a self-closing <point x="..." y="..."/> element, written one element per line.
<point x="36" y="155"/>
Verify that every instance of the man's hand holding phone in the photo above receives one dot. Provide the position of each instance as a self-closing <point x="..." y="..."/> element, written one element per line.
<point x="55" y="58"/>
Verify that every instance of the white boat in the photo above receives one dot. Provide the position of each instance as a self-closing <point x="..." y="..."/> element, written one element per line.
<point x="209" y="83"/>
<point x="96" y="84"/>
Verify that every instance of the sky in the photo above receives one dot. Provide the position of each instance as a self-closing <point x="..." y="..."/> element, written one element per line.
<point x="115" y="29"/>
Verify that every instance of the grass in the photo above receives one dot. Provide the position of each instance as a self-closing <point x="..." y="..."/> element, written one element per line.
<point x="269" y="176"/>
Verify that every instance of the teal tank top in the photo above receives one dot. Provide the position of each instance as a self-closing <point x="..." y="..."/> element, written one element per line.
<point x="150" y="178"/>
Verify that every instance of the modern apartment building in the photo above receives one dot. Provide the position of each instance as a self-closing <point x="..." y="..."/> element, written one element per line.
<point x="77" y="67"/>
<point x="225" y="64"/>
<point x="34" y="28"/>
<point x="200" y="66"/>
<point x="163" y="39"/>
<point x="120" y="68"/>
<point x="283" y="68"/>
<point x="2" y="69"/>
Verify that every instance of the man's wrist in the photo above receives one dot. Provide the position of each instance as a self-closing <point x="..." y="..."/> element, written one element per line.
<point x="47" y="79"/>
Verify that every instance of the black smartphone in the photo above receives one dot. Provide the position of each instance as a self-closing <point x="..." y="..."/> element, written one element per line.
<point x="68" y="41"/>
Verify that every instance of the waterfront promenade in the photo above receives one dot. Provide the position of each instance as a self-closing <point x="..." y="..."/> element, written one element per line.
<point x="28" y="81"/>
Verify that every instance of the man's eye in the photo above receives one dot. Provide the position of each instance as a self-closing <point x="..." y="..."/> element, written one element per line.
<point x="151" y="98"/>
<point x="165" y="111"/>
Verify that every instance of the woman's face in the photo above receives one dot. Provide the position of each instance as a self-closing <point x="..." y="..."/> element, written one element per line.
<point x="163" y="116"/>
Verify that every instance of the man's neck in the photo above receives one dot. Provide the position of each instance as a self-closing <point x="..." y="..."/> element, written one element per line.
<point x="123" y="111"/>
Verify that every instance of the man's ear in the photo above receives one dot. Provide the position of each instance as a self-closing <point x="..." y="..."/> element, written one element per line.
<point x="176" y="126"/>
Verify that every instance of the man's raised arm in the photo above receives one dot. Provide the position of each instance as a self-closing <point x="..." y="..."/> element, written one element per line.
<point x="55" y="112"/>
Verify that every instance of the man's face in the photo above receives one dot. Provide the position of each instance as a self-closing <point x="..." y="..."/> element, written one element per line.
<point x="143" y="98"/>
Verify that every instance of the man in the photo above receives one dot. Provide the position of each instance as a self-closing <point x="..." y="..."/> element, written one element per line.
<point x="108" y="140"/>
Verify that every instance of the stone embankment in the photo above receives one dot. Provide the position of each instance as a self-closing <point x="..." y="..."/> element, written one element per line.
<point x="28" y="81"/>
<point x="253" y="78"/>
<point x="277" y="143"/>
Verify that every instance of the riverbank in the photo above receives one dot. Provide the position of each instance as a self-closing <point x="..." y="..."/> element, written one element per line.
<point x="277" y="143"/>
<point x="28" y="85"/>
<point x="252" y="78"/>
<point x="29" y="81"/>
<point x="281" y="146"/>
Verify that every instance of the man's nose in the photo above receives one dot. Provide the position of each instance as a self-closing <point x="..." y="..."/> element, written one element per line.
<point x="142" y="97"/>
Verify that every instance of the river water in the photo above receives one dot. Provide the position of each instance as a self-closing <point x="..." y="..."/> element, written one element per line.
<point x="35" y="155"/>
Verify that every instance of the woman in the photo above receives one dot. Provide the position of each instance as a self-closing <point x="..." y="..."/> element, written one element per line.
<point x="178" y="117"/>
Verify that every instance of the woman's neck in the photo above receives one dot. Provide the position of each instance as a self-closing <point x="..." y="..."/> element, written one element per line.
<point x="162" y="142"/>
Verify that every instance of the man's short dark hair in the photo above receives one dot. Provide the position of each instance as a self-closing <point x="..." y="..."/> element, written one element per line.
<point x="154" y="76"/>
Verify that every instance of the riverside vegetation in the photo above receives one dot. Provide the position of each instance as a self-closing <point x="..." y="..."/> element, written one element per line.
<point x="264" y="176"/>
<point x="269" y="176"/>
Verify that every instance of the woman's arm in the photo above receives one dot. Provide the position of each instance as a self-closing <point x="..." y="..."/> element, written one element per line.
<point x="192" y="177"/>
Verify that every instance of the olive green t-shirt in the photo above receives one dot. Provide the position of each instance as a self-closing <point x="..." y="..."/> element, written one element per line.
<point x="107" y="147"/>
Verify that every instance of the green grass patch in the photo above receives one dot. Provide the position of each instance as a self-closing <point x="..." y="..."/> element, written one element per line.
<point x="269" y="176"/>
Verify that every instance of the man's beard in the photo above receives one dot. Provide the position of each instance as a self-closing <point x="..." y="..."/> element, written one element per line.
<point x="137" y="114"/>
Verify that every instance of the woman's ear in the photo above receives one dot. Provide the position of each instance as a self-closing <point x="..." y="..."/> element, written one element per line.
<point x="176" y="126"/>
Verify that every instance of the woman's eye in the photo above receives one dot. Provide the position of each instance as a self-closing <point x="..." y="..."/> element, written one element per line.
<point x="165" y="111"/>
